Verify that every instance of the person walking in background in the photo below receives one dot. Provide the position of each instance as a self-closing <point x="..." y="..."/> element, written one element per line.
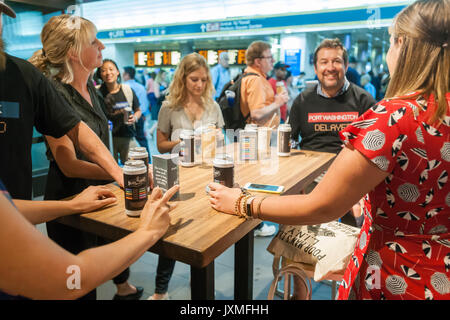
<point x="220" y="74"/>
<point x="368" y="86"/>
<point x="384" y="82"/>
<point x="69" y="172"/>
<point x="129" y="79"/>
<point x="375" y="81"/>
<point x="398" y="153"/>
<point x="122" y="107"/>
<point x="279" y="76"/>
<point x="292" y="90"/>
<point x="150" y="87"/>
<point x="352" y="74"/>
<point x="160" y="90"/>
<point x="301" y="82"/>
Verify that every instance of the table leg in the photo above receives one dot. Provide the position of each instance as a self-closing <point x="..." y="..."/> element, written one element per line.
<point x="202" y="282"/>
<point x="243" y="268"/>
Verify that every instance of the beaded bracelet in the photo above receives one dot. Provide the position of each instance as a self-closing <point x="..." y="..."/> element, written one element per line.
<point x="237" y="204"/>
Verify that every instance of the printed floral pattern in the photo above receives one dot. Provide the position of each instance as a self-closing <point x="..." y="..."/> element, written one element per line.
<point x="403" y="251"/>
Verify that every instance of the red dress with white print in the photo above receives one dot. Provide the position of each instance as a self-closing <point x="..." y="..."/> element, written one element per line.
<point x="403" y="250"/>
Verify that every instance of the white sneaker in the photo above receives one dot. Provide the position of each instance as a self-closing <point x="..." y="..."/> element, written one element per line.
<point x="265" y="231"/>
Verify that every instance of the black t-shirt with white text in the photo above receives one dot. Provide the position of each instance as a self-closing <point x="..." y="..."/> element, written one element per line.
<point x="318" y="120"/>
<point x="120" y="129"/>
<point x="27" y="99"/>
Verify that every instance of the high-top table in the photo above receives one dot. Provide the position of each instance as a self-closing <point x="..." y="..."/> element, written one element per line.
<point x="198" y="234"/>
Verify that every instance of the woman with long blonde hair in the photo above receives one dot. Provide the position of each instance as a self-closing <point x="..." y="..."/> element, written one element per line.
<point x="70" y="54"/>
<point x="190" y="102"/>
<point x="188" y="105"/>
<point x="399" y="153"/>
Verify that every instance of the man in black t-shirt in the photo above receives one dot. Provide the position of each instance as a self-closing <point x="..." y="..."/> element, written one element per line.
<point x="28" y="99"/>
<point x="320" y="112"/>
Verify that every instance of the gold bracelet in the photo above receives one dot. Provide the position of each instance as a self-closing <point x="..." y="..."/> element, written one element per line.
<point x="237" y="205"/>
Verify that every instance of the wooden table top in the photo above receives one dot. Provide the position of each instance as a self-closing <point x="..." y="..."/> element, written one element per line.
<point x="198" y="233"/>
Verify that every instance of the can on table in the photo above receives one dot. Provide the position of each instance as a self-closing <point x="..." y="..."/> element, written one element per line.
<point x="264" y="136"/>
<point x="251" y="126"/>
<point x="208" y="136"/>
<point x="224" y="170"/>
<point x="284" y="140"/>
<point x="135" y="178"/>
<point x="248" y="145"/>
<point x="187" y="150"/>
<point x="140" y="153"/>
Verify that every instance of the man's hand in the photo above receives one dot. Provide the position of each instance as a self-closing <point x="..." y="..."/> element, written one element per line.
<point x="281" y="98"/>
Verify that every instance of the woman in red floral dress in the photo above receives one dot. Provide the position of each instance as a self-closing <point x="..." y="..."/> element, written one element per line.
<point x="398" y="152"/>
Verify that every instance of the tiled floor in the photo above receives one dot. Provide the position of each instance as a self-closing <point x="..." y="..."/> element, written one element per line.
<point x="143" y="271"/>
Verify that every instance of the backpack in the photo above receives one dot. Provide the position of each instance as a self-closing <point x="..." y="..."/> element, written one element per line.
<point x="127" y="91"/>
<point x="230" y="103"/>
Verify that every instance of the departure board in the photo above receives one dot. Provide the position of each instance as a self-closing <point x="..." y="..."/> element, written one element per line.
<point x="157" y="58"/>
<point x="236" y="56"/>
<point x="173" y="58"/>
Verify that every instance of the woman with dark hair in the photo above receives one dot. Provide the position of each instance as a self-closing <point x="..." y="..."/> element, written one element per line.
<point x="122" y="107"/>
<point x="397" y="152"/>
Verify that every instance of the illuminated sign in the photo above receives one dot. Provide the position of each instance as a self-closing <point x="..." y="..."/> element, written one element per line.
<point x="368" y="16"/>
<point x="172" y="58"/>
<point x="156" y="58"/>
<point x="236" y="56"/>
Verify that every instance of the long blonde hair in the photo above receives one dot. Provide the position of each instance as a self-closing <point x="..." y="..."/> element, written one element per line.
<point x="60" y="35"/>
<point x="424" y="60"/>
<point x="177" y="89"/>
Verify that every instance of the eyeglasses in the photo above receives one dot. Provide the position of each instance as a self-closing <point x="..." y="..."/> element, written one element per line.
<point x="269" y="57"/>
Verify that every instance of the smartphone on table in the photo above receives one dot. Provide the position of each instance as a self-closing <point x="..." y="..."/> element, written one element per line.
<point x="269" y="188"/>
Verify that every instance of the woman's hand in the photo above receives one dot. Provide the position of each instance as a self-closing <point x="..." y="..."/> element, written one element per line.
<point x="92" y="198"/>
<point x="222" y="198"/>
<point x="155" y="216"/>
<point x="131" y="119"/>
<point x="150" y="176"/>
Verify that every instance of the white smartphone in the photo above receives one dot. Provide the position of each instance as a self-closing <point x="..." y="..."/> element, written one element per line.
<point x="264" y="188"/>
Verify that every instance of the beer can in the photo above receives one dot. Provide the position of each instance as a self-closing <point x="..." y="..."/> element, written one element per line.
<point x="140" y="153"/>
<point x="127" y="112"/>
<point x="251" y="126"/>
<point x="284" y="140"/>
<point x="248" y="145"/>
<point x="223" y="173"/>
<point x="264" y="136"/>
<point x="135" y="178"/>
<point x="187" y="150"/>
